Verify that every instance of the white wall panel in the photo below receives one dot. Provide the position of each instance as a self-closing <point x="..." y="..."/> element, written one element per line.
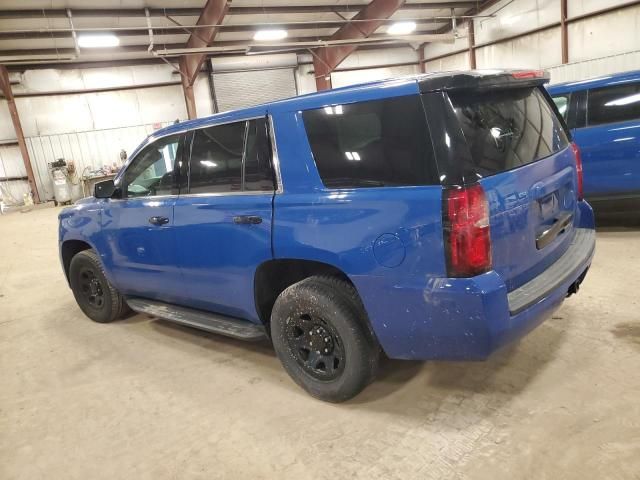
<point x="6" y="126"/>
<point x="440" y="48"/>
<point x="352" y="77"/>
<point x="539" y="50"/>
<point x="49" y="115"/>
<point x="52" y="80"/>
<point x="12" y="192"/>
<point x="305" y="79"/>
<point x="204" y="105"/>
<point x="604" y="35"/>
<point x="368" y="58"/>
<point x="459" y="61"/>
<point x="595" y="68"/>
<point x="514" y="17"/>
<point x="580" y="7"/>
<point x="11" y="165"/>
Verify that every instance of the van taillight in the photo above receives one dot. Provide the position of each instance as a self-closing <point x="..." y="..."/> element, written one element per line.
<point x="576" y="153"/>
<point x="466" y="231"/>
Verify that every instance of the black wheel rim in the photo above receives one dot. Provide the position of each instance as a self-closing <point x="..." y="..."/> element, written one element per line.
<point x="316" y="346"/>
<point x="91" y="288"/>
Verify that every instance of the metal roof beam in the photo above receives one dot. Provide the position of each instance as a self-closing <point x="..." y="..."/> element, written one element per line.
<point x="233" y="10"/>
<point x="180" y="29"/>
<point x="327" y="58"/>
<point x="212" y="14"/>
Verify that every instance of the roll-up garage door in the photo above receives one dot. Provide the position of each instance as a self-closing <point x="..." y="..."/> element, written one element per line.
<point x="244" y="89"/>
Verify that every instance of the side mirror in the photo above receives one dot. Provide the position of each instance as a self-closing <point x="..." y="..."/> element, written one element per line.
<point x="104" y="189"/>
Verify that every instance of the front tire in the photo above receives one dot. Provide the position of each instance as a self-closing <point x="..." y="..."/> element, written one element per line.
<point x="95" y="296"/>
<point x="321" y="335"/>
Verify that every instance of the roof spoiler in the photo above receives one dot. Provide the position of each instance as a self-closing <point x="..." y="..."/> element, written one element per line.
<point x="483" y="80"/>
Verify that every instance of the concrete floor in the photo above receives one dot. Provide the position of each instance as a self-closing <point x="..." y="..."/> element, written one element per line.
<point x="144" y="399"/>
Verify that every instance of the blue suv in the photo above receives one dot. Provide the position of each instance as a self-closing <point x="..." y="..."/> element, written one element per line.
<point x="604" y="117"/>
<point x="430" y="217"/>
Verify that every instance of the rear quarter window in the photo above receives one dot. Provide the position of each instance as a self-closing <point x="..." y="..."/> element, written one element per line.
<point x="509" y="128"/>
<point x="372" y="144"/>
<point x="618" y="103"/>
<point x="562" y="103"/>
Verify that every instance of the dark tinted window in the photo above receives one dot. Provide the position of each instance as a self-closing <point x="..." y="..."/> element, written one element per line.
<point x="216" y="159"/>
<point x="614" y="104"/>
<point x="152" y="171"/>
<point x="372" y="144"/>
<point x="509" y="128"/>
<point x="258" y="173"/>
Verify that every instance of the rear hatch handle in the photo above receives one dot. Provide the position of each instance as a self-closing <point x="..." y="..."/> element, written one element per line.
<point x="560" y="224"/>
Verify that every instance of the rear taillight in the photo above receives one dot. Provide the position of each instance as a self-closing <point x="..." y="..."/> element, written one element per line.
<point x="466" y="231"/>
<point x="576" y="153"/>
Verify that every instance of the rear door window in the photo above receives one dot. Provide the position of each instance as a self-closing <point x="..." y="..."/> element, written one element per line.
<point x="216" y="159"/>
<point x="509" y="128"/>
<point x="232" y="157"/>
<point x="372" y="144"/>
<point x="619" y="103"/>
<point x="258" y="172"/>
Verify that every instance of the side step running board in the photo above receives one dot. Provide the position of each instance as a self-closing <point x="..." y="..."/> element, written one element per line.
<point x="211" y="322"/>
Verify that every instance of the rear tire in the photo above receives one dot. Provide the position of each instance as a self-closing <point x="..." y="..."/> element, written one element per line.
<point x="320" y="333"/>
<point x="95" y="296"/>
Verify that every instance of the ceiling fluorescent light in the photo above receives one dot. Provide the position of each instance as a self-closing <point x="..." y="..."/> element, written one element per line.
<point x="269" y="35"/>
<point x="401" y="28"/>
<point x="100" y="40"/>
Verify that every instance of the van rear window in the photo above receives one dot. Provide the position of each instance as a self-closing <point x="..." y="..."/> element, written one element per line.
<point x="509" y="128"/>
<point x="372" y="144"/>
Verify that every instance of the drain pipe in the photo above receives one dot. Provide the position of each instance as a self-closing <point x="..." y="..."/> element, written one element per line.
<point x="73" y="31"/>
<point x="146" y="12"/>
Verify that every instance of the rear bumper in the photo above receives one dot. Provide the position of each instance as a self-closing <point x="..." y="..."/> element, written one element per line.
<point x="469" y="318"/>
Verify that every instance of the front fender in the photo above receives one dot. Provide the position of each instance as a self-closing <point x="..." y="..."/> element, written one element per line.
<point x="82" y="223"/>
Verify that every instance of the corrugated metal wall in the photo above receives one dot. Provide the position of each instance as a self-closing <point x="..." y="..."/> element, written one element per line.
<point x="11" y="165"/>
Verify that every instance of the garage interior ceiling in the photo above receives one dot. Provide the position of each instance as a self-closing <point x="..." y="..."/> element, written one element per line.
<point x="42" y="31"/>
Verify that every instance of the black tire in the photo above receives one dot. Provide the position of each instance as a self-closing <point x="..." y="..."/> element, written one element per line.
<point x="328" y="308"/>
<point x="96" y="297"/>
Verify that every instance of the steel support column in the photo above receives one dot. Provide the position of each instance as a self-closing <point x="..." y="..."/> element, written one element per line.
<point x="5" y="87"/>
<point x="564" y="34"/>
<point x="190" y="65"/>
<point x="471" y="37"/>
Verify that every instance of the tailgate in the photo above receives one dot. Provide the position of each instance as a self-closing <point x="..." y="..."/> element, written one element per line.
<point x="511" y="140"/>
<point x="532" y="213"/>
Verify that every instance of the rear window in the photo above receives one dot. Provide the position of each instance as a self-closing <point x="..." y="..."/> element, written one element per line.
<point x="372" y="144"/>
<point x="509" y="128"/>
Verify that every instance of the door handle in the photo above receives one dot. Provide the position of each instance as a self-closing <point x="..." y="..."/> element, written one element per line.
<point x="559" y="226"/>
<point x="247" y="220"/>
<point x="158" y="221"/>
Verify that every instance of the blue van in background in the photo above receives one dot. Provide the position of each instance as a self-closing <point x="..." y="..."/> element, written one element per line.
<point x="603" y="115"/>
